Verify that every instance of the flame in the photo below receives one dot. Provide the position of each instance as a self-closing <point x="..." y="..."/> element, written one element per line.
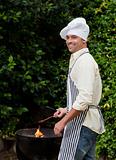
<point x="38" y="133"/>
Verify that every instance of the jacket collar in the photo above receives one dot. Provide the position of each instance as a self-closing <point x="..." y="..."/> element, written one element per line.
<point x="77" y="54"/>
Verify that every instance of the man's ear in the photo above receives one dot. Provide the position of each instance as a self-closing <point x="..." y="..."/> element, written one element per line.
<point x="84" y="41"/>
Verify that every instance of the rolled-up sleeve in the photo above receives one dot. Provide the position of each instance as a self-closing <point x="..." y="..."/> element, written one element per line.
<point x="84" y="75"/>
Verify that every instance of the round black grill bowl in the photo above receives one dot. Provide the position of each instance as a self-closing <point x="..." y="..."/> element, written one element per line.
<point x="28" y="147"/>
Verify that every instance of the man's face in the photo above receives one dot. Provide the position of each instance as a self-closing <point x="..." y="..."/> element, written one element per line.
<point x="74" y="43"/>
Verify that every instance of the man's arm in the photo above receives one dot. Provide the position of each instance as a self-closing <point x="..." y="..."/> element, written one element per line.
<point x="59" y="126"/>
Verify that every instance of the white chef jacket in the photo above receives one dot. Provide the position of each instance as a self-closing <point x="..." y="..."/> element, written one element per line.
<point x="86" y="78"/>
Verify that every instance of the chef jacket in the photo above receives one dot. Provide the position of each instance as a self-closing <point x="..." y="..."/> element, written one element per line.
<point x="86" y="77"/>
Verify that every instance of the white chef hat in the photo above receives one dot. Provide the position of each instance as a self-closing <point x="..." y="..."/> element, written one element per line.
<point x="78" y="27"/>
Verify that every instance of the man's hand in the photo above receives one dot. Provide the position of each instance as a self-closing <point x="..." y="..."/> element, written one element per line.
<point x="60" y="112"/>
<point x="58" y="128"/>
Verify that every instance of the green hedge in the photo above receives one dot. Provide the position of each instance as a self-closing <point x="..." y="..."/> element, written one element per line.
<point x="104" y="47"/>
<point x="34" y="60"/>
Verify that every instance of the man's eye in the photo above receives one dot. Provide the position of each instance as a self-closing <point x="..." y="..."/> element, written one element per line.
<point x="74" y="36"/>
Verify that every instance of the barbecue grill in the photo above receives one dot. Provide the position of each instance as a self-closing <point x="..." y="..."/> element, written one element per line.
<point x="29" y="147"/>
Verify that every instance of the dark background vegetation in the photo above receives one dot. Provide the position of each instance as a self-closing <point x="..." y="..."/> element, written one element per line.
<point x="34" y="60"/>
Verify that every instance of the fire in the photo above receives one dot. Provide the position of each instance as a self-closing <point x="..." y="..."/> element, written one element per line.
<point x="38" y="133"/>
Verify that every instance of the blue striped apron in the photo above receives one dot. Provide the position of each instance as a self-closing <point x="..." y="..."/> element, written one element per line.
<point x="72" y="130"/>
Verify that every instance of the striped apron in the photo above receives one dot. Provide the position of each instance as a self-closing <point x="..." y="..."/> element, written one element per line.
<point x="72" y="130"/>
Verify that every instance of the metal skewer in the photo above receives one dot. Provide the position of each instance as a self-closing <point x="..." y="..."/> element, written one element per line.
<point x="43" y="120"/>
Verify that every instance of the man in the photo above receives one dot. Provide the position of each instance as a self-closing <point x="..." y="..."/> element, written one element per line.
<point x="82" y="119"/>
